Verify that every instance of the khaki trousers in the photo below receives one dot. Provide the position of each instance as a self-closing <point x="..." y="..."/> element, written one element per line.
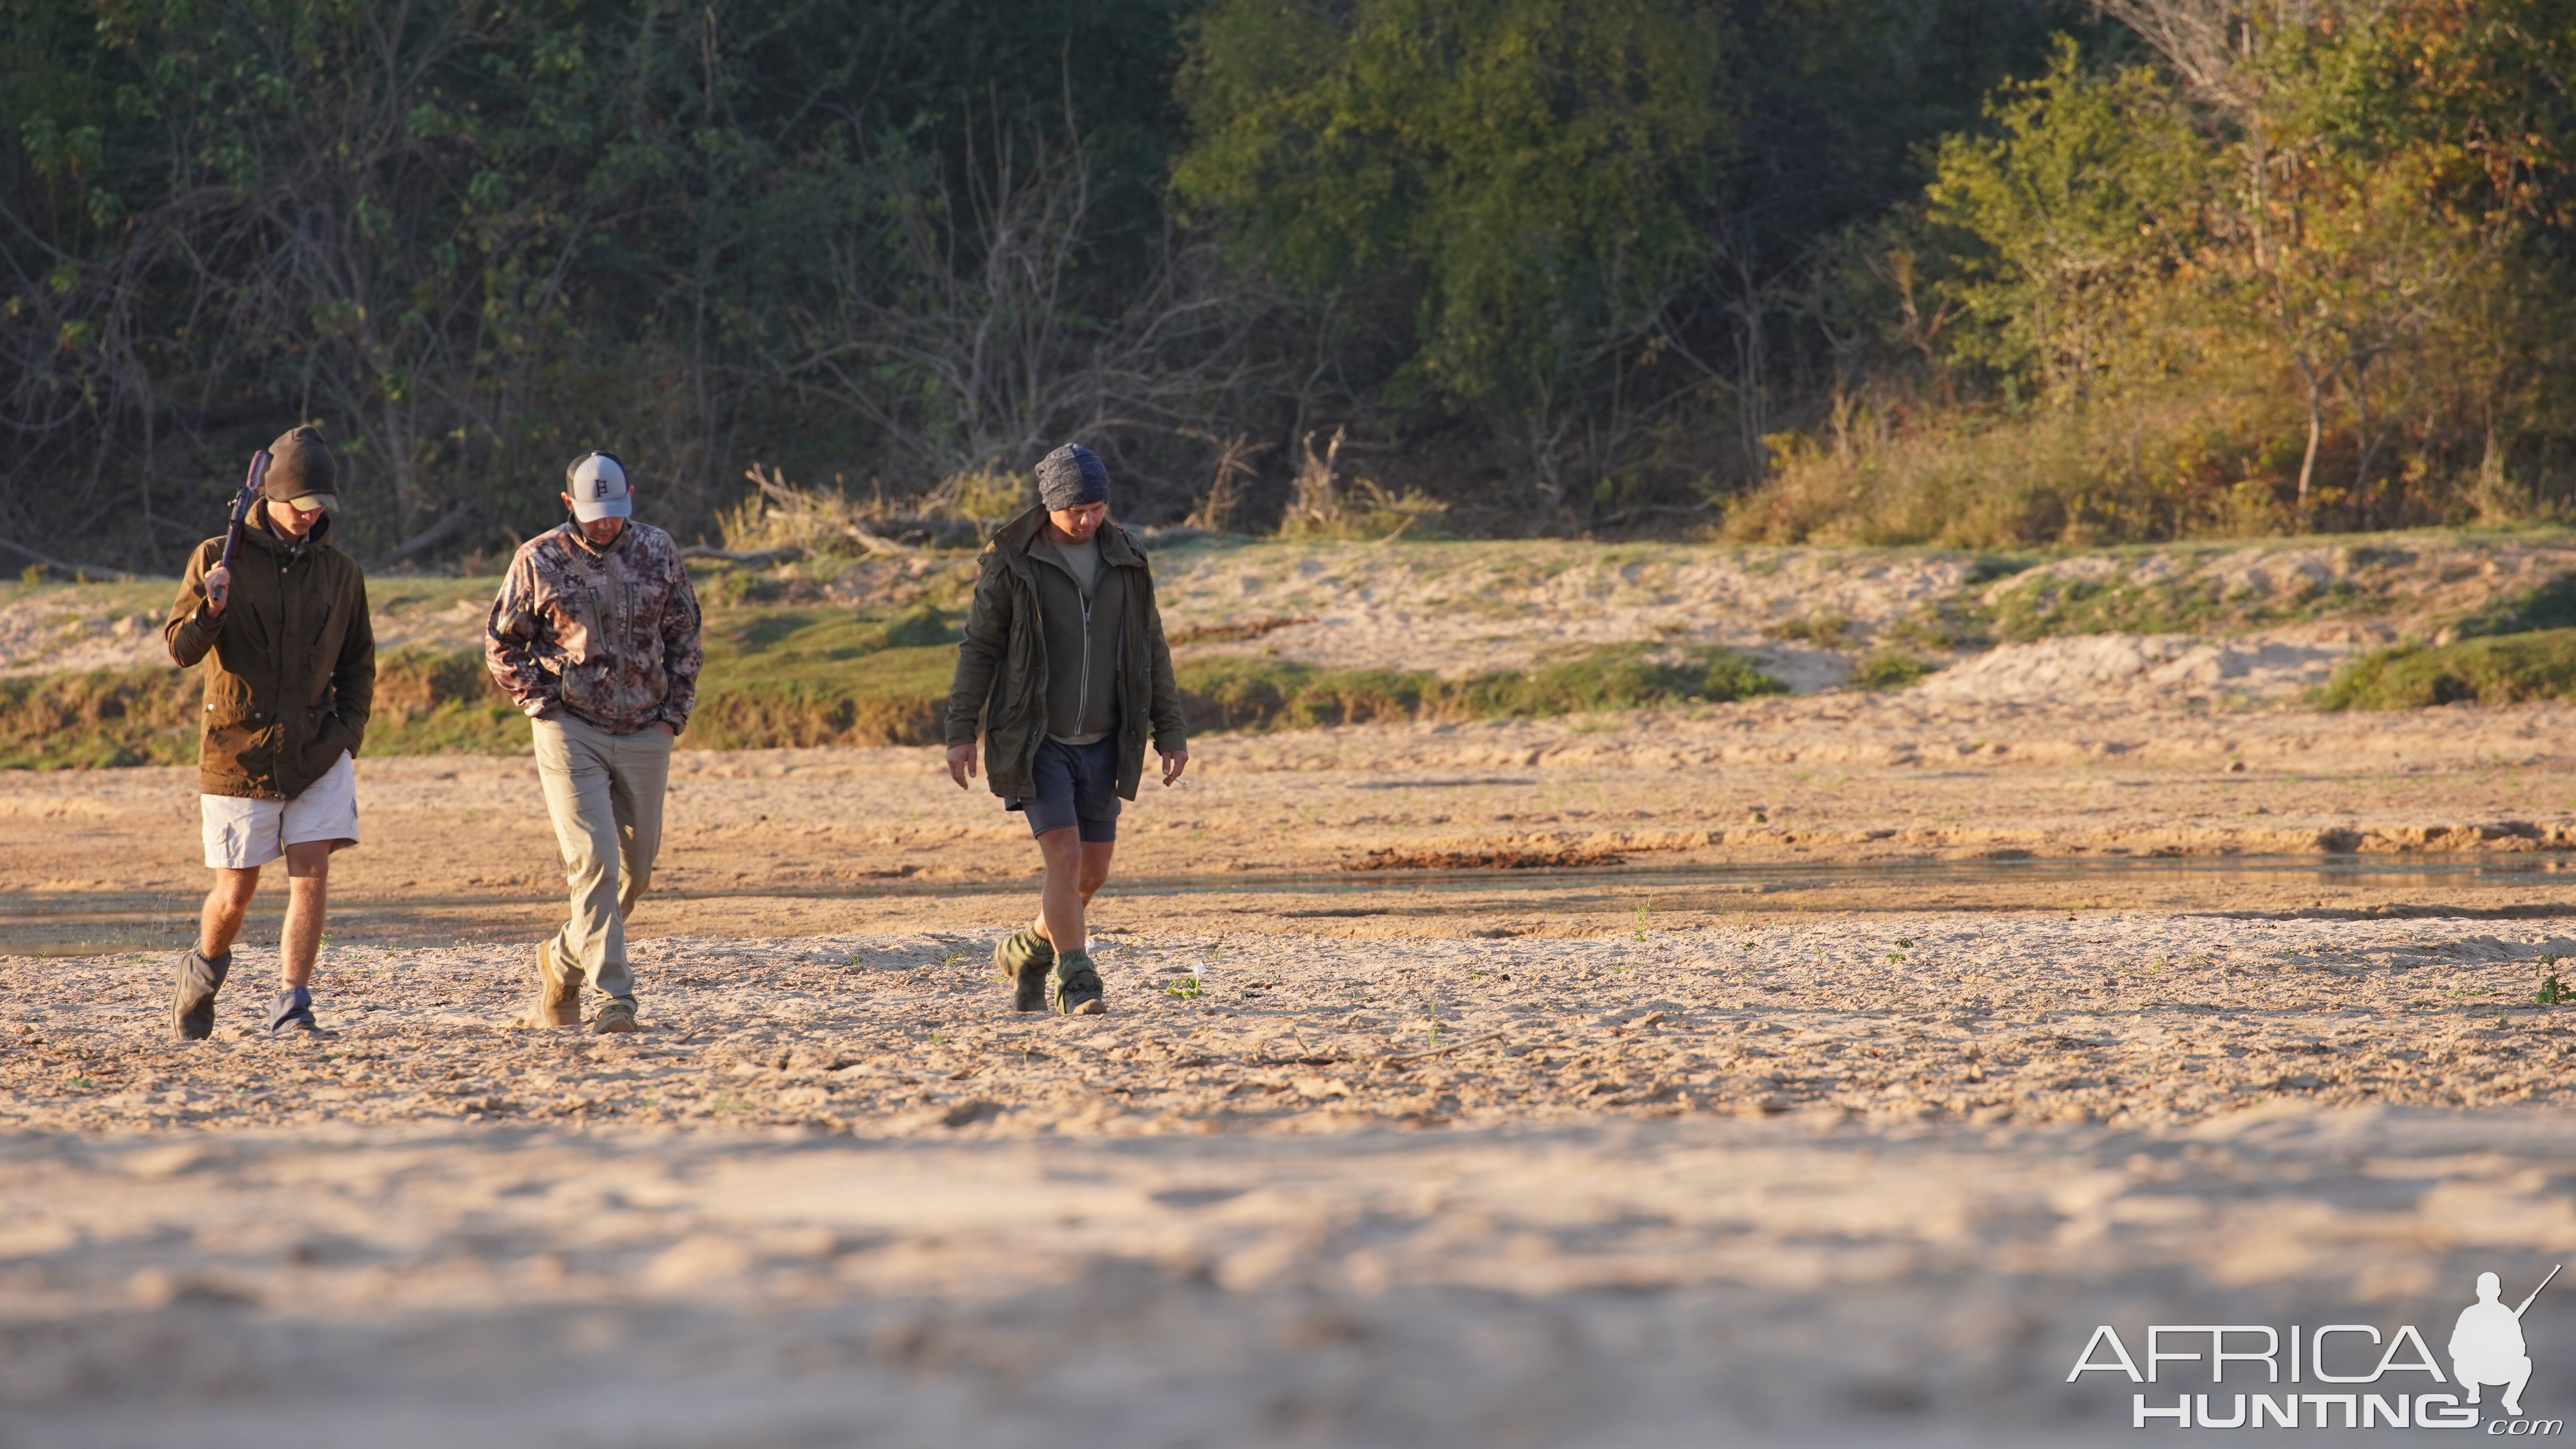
<point x="605" y="794"/>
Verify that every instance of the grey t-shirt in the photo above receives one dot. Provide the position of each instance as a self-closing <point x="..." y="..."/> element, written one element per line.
<point x="1085" y="559"/>
<point x="1082" y="704"/>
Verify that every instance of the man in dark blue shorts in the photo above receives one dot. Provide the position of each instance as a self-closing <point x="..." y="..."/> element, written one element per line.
<point x="1065" y="669"/>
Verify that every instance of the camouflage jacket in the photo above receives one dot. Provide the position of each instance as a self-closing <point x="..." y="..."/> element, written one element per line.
<point x="607" y="636"/>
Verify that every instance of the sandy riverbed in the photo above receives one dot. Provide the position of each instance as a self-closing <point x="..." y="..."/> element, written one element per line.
<point x="1860" y="1155"/>
<point x="1846" y="1181"/>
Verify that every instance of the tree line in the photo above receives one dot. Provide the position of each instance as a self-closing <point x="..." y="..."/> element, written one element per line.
<point x="1971" y="271"/>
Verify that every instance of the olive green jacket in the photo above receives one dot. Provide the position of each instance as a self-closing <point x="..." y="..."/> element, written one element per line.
<point x="293" y="672"/>
<point x="1001" y="683"/>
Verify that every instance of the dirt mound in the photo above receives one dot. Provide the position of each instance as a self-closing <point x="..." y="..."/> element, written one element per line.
<point x="2276" y="667"/>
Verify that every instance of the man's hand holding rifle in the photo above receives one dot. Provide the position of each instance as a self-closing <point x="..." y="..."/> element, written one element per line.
<point x="218" y="582"/>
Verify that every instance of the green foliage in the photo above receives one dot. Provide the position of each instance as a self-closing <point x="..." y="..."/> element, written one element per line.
<point x="1868" y="271"/>
<point x="1264" y="693"/>
<point x="2551" y="606"/>
<point x="1530" y="161"/>
<point x="2084" y="202"/>
<point x="1825" y="630"/>
<point x="2553" y="991"/>
<point x="2315" y="280"/>
<point x="2505" y="669"/>
<point x="2054" y="605"/>
<point x="1889" y="669"/>
<point x="475" y="240"/>
<point x="1185" y="988"/>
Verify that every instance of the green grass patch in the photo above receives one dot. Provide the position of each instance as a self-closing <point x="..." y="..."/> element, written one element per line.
<point x="2551" y="606"/>
<point x="2499" y="669"/>
<point x="2050" y="606"/>
<point x="1265" y="693"/>
<point x="824" y="676"/>
<point x="1889" y="669"/>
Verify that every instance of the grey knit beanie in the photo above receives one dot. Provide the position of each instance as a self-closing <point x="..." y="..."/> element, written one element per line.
<point x="1072" y="476"/>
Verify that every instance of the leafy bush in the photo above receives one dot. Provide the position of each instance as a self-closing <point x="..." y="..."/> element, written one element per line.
<point x="2498" y="669"/>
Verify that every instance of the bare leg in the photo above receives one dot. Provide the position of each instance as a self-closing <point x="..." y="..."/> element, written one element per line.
<point x="308" y="875"/>
<point x="1076" y="870"/>
<point x="219" y="925"/>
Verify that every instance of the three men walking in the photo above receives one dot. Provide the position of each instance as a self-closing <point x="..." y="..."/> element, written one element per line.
<point x="595" y="636"/>
<point x="287" y="694"/>
<point x="1065" y="671"/>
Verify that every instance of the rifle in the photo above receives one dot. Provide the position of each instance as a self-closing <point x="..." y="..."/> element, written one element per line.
<point x="2526" y="1303"/>
<point x="241" y="510"/>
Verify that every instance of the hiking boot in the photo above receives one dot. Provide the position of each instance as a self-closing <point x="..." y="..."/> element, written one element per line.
<point x="558" y="992"/>
<point x="617" y="1015"/>
<point x="1077" y="986"/>
<point x="290" y="1014"/>
<point x="1026" y="957"/>
<point x="192" y="998"/>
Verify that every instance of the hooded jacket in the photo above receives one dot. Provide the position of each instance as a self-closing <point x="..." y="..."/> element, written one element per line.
<point x="293" y="676"/>
<point x="1003" y="669"/>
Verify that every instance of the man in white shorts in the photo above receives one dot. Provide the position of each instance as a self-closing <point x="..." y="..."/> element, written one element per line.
<point x="290" y="680"/>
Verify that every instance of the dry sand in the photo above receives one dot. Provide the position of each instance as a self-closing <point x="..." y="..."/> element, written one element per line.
<point x="1844" y="1150"/>
<point x="1773" y="1187"/>
<point x="1280" y="828"/>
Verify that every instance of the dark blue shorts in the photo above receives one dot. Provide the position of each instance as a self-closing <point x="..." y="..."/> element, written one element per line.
<point x="1077" y="785"/>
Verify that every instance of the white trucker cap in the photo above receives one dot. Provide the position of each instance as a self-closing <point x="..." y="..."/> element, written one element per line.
<point x="597" y="483"/>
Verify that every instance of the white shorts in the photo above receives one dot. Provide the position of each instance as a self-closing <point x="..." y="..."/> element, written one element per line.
<point x="245" y="834"/>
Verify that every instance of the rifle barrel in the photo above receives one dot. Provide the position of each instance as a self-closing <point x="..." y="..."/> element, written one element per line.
<point x="2535" y="1293"/>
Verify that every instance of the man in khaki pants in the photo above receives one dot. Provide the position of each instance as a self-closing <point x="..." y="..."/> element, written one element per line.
<point x="595" y="635"/>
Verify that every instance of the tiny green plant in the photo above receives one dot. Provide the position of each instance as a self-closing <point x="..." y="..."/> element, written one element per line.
<point x="1641" y="922"/>
<point x="1184" y="987"/>
<point x="2553" y="991"/>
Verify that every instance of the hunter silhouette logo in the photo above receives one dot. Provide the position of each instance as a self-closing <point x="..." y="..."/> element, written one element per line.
<point x="2487" y="1346"/>
<point x="2486" y="1350"/>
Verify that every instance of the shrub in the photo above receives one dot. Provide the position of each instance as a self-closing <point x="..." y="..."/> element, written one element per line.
<point x="1889" y="669"/>
<point x="2498" y="669"/>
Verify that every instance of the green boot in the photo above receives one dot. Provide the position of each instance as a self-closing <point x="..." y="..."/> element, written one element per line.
<point x="1077" y="985"/>
<point x="1026" y="957"/>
